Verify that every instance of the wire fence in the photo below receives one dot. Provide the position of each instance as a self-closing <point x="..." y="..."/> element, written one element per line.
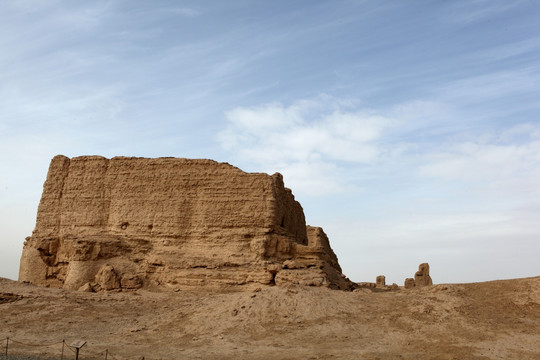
<point x="13" y="349"/>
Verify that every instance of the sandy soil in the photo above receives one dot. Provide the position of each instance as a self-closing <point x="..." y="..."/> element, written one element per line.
<point x="491" y="320"/>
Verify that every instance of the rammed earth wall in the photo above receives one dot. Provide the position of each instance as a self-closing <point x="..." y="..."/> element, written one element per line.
<point x="171" y="223"/>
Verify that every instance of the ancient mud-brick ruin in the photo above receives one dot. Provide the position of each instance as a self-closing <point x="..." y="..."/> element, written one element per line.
<point x="127" y="223"/>
<point x="421" y="277"/>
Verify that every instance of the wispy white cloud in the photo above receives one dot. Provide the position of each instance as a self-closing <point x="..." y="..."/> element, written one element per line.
<point x="513" y="153"/>
<point x="492" y="86"/>
<point x="510" y="50"/>
<point x="30" y="6"/>
<point x="308" y="140"/>
<point x="478" y="10"/>
<point x="325" y="139"/>
<point x="190" y="12"/>
<point x="68" y="109"/>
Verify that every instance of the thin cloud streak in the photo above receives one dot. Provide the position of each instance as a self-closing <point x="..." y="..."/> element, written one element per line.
<point x="469" y="12"/>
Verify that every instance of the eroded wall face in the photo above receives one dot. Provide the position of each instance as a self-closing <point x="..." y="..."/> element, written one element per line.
<point x="160" y="222"/>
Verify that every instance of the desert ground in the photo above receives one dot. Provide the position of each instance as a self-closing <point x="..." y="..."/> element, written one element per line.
<point x="490" y="320"/>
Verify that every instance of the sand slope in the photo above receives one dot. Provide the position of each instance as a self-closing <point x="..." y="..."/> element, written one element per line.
<point x="491" y="320"/>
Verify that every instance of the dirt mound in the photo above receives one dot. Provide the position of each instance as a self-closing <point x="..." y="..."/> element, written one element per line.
<point x="492" y="320"/>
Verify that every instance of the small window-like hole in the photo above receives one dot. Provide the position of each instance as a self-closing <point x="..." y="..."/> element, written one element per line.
<point x="150" y="227"/>
<point x="124" y="226"/>
<point x="282" y="222"/>
<point x="273" y="281"/>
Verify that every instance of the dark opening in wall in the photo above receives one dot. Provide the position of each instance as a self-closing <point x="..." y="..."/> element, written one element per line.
<point x="124" y="225"/>
<point x="282" y="222"/>
<point x="273" y="281"/>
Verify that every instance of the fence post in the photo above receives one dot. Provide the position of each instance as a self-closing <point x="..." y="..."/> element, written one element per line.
<point x="106" y="353"/>
<point x="7" y="345"/>
<point x="78" y="345"/>
<point x="63" y="343"/>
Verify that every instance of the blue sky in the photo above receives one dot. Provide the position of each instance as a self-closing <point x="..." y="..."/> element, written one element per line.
<point x="410" y="131"/>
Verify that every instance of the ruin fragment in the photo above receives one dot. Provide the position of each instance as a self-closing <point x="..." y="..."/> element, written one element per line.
<point x="409" y="283"/>
<point x="421" y="277"/>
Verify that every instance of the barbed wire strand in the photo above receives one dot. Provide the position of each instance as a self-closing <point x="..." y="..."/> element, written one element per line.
<point x="106" y="351"/>
<point x="114" y="357"/>
<point x="35" y="345"/>
<point x="70" y="348"/>
<point x="89" y="350"/>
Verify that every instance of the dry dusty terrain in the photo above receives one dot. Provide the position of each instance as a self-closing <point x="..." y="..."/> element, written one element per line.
<point x="492" y="320"/>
